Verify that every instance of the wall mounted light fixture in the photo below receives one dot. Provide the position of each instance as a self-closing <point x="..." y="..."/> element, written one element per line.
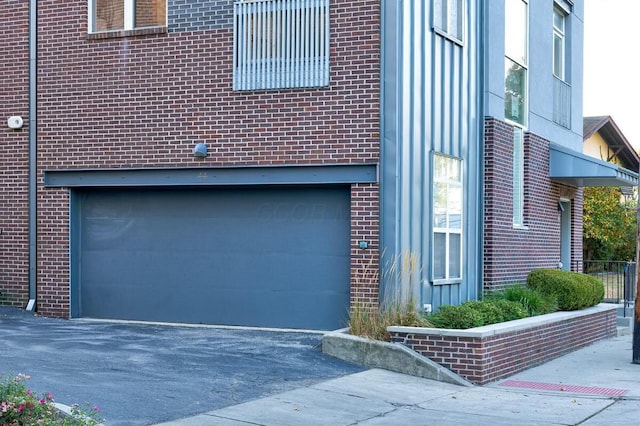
<point x="200" y="150"/>
<point x="15" y="122"/>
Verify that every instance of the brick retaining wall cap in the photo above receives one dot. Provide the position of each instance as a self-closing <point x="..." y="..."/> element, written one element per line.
<point x="506" y="327"/>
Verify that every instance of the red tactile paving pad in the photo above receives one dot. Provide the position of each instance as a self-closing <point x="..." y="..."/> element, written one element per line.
<point x="564" y="388"/>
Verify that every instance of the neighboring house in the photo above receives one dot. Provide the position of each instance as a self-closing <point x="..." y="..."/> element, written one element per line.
<point x="264" y="162"/>
<point x="604" y="140"/>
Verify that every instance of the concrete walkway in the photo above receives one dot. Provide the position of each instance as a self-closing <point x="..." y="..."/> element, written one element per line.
<point x="597" y="385"/>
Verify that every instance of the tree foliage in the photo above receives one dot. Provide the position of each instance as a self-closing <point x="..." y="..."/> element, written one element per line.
<point x="609" y="225"/>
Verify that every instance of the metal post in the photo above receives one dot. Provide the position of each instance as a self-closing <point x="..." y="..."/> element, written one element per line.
<point x="636" y="317"/>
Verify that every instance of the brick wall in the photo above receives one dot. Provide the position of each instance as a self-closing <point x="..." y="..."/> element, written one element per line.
<point x="484" y="357"/>
<point x="199" y="15"/>
<point x="14" y="153"/>
<point x="510" y="253"/>
<point x="145" y="101"/>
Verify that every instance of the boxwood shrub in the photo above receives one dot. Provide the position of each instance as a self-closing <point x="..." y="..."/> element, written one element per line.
<point x="572" y="290"/>
<point x="477" y="313"/>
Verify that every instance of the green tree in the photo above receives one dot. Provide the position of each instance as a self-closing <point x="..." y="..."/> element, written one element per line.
<point x="609" y="223"/>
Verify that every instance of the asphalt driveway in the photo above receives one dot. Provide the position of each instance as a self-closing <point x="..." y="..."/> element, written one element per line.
<point x="146" y="374"/>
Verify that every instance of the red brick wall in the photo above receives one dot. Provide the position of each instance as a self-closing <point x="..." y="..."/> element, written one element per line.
<point x="482" y="360"/>
<point x="14" y="153"/>
<point x="511" y="253"/>
<point x="145" y="101"/>
<point x="364" y="228"/>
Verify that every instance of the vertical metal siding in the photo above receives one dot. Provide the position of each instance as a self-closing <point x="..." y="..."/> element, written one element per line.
<point x="430" y="104"/>
<point x="280" y="44"/>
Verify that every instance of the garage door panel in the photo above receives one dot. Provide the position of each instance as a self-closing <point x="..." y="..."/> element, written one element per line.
<point x="265" y="257"/>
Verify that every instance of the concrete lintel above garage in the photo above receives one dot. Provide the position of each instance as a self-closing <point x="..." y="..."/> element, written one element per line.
<point x="208" y="176"/>
<point x="577" y="169"/>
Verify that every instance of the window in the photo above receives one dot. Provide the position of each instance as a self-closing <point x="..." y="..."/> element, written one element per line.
<point x="559" y="18"/>
<point x="516" y="46"/>
<point x="447" y="17"/>
<point x="280" y="44"/>
<point x="117" y="15"/>
<point x="447" y="218"/>
<point x="516" y="36"/>
<point x="518" y="176"/>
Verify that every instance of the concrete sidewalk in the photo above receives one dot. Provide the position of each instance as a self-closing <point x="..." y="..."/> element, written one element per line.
<point x="597" y="385"/>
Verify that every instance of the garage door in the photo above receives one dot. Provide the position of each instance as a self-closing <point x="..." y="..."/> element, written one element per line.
<point x="271" y="257"/>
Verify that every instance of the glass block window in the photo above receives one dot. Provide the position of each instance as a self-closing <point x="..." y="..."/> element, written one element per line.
<point x="518" y="176"/>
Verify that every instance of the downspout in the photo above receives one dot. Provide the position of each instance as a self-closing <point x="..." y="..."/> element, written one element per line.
<point x="33" y="140"/>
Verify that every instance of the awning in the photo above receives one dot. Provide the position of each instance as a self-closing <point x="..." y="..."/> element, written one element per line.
<point x="577" y="169"/>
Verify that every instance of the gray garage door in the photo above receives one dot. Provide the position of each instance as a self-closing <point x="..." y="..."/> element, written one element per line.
<point x="273" y="257"/>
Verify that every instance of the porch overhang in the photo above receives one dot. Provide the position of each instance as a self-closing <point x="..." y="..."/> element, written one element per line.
<point x="577" y="169"/>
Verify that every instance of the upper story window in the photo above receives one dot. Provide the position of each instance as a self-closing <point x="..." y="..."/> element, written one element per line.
<point x="559" y="18"/>
<point x="516" y="61"/>
<point x="119" y="15"/>
<point x="447" y="18"/>
<point x="447" y="218"/>
<point x="280" y="44"/>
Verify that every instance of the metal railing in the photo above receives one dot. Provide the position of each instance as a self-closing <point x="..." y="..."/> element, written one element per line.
<point x="619" y="279"/>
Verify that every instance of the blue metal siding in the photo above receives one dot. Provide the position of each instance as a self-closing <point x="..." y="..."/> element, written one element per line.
<point x="430" y="103"/>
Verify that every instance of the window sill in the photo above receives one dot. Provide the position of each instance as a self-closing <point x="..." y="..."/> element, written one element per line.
<point x="448" y="36"/>
<point x="127" y="33"/>
<point x="447" y="282"/>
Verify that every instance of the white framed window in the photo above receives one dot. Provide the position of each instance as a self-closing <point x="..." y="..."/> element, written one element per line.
<point x="447" y="219"/>
<point x="559" y="24"/>
<point x="448" y="18"/>
<point x="518" y="177"/>
<point x="516" y="37"/>
<point x="118" y="15"/>
<point x="280" y="44"/>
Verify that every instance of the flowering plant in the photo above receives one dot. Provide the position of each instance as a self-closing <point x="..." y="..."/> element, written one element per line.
<point x="20" y="406"/>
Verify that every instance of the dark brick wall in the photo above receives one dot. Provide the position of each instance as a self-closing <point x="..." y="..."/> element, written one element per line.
<point x="482" y="360"/>
<point x="14" y="153"/>
<point x="199" y="15"/>
<point x="510" y="253"/>
<point x="145" y="101"/>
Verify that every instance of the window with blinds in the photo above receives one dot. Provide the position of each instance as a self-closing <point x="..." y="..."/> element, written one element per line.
<point x="280" y="44"/>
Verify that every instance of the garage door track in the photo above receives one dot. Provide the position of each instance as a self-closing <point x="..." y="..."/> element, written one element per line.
<point x="141" y="374"/>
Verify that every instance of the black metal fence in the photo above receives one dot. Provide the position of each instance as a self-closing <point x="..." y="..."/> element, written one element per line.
<point x="619" y="279"/>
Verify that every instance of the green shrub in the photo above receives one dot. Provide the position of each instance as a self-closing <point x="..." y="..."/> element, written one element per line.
<point x="573" y="290"/>
<point x="510" y="310"/>
<point x="489" y="311"/>
<point x="533" y="301"/>
<point x="458" y="317"/>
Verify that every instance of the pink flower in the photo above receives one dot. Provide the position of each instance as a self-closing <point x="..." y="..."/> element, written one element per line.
<point x="20" y="408"/>
<point x="42" y="401"/>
